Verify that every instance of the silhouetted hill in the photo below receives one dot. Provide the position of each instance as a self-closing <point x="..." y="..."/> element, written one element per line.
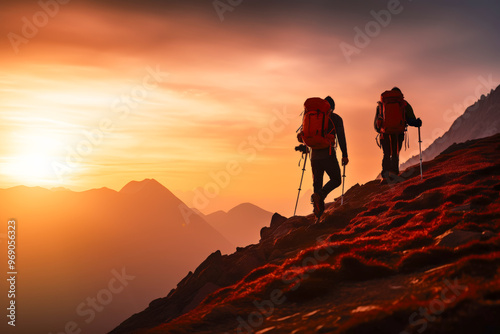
<point x="398" y="258"/>
<point x="70" y="243"/>
<point x="482" y="119"/>
<point x="241" y="225"/>
<point x="147" y="186"/>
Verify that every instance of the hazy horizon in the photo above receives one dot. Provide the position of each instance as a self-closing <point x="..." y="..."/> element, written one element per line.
<point x="132" y="181"/>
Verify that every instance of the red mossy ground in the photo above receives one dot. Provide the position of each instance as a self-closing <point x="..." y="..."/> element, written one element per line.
<point x="405" y="257"/>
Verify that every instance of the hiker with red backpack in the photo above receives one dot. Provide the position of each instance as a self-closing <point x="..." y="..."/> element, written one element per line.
<point x="393" y="116"/>
<point x="320" y="127"/>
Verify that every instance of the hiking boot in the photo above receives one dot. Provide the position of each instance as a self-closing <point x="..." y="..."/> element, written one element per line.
<point x="318" y="204"/>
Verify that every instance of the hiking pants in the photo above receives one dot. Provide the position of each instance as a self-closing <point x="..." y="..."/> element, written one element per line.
<point x="391" y="145"/>
<point x="331" y="166"/>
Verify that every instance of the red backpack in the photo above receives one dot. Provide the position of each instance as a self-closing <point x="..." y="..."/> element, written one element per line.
<point x="392" y="110"/>
<point x="315" y="124"/>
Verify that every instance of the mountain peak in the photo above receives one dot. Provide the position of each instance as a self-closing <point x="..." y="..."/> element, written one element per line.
<point x="147" y="185"/>
<point x="246" y="207"/>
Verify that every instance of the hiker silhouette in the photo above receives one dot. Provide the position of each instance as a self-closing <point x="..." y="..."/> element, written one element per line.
<point x="319" y="134"/>
<point x="393" y="116"/>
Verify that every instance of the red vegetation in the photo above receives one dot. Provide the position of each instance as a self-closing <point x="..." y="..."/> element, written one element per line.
<point x="399" y="258"/>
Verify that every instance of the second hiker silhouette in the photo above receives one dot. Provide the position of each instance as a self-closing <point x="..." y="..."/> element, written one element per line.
<point x="320" y="127"/>
<point x="393" y="116"/>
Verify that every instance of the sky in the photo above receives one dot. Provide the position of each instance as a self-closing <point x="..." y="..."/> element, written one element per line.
<point x="205" y="96"/>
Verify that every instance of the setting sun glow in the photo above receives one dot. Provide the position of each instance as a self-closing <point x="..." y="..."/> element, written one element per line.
<point x="33" y="164"/>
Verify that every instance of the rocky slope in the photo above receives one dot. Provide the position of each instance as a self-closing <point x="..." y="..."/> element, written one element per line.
<point x="399" y="258"/>
<point x="482" y="119"/>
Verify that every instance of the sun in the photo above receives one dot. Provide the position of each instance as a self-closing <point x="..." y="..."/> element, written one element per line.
<point x="31" y="169"/>
<point x="31" y="164"/>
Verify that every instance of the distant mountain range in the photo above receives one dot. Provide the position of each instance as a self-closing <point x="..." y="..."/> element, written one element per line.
<point x="71" y="244"/>
<point x="482" y="119"/>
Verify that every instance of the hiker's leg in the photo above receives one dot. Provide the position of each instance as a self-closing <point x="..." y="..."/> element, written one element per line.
<point x="394" y="154"/>
<point x="317" y="171"/>
<point x="400" y="139"/>
<point x="385" y="142"/>
<point x="332" y="168"/>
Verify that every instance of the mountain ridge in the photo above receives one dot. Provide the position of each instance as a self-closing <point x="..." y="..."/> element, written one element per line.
<point x="244" y="206"/>
<point x="481" y="119"/>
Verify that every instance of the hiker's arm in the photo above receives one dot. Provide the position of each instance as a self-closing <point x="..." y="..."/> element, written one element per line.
<point x="377" y="122"/>
<point x="339" y="128"/>
<point x="300" y="137"/>
<point x="410" y="117"/>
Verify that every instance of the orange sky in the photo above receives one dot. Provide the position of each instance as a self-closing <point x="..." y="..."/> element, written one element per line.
<point x="100" y="95"/>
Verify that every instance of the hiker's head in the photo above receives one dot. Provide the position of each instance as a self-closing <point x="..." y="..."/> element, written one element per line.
<point x="396" y="89"/>
<point x="330" y="100"/>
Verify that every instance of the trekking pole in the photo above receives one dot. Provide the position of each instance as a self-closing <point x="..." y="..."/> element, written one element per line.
<point x="302" y="177"/>
<point x="343" y="182"/>
<point x="420" y="147"/>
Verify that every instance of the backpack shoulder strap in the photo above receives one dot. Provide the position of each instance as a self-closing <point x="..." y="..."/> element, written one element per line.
<point x="331" y="114"/>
